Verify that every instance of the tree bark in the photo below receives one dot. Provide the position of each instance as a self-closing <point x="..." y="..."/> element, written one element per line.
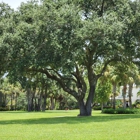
<point x="102" y="106"/>
<point x="114" y="92"/>
<point x="86" y="109"/>
<point x="39" y="105"/>
<point x="82" y="107"/>
<point x="52" y="103"/>
<point x="16" y="98"/>
<point x="28" y="98"/>
<point x="36" y="105"/>
<point x="44" y="102"/>
<point x="90" y="99"/>
<point x="32" y="102"/>
<point x="124" y="94"/>
<point x="11" y="106"/>
<point x="130" y="94"/>
<point x="29" y="108"/>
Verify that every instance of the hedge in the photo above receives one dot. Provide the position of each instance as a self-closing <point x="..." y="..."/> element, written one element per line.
<point x="121" y="111"/>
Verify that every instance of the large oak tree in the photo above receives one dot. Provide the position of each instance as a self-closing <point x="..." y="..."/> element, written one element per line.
<point x="70" y="41"/>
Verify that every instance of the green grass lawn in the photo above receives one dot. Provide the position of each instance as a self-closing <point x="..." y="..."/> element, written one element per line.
<point x="65" y="125"/>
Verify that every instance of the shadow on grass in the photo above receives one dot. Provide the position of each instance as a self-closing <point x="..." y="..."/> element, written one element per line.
<point x="70" y="120"/>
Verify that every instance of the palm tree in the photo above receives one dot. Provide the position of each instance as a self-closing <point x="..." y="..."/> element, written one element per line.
<point x="114" y="80"/>
<point x="118" y="75"/>
<point x="134" y="77"/>
<point x="128" y="77"/>
<point x="12" y="91"/>
<point x="130" y="83"/>
<point x="124" y="79"/>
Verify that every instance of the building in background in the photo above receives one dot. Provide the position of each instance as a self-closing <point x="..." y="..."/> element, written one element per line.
<point x="134" y="96"/>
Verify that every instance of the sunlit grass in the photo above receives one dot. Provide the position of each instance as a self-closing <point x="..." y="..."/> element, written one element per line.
<point x="65" y="125"/>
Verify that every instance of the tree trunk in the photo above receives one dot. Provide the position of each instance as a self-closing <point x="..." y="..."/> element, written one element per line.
<point x="82" y="108"/>
<point x="11" y="106"/>
<point x="130" y="94"/>
<point x="32" y="102"/>
<point x="102" y="106"/>
<point x="39" y="105"/>
<point x="16" y="96"/>
<point x="124" y="94"/>
<point x="114" y="92"/>
<point x="86" y="109"/>
<point x="90" y="99"/>
<point x="36" y="105"/>
<point x="124" y="101"/>
<point x="52" y="103"/>
<point x="29" y="100"/>
<point x="114" y="101"/>
<point x="44" y="102"/>
<point x="4" y="100"/>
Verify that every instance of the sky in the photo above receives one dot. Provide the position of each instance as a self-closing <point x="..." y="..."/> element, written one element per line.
<point x="13" y="3"/>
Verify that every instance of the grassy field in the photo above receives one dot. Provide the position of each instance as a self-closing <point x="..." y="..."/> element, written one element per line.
<point x="65" y="125"/>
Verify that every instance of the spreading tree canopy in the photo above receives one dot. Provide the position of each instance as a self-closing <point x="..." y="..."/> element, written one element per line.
<point x="70" y="41"/>
<point x="5" y="15"/>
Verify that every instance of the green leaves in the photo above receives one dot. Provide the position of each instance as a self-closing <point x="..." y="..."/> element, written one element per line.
<point x="103" y="91"/>
<point x="56" y="37"/>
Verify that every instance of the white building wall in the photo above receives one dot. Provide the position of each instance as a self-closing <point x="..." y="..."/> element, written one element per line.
<point x="134" y="97"/>
<point x="134" y="93"/>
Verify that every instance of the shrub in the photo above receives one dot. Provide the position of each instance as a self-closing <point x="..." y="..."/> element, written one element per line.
<point x="109" y="111"/>
<point x="4" y="109"/>
<point x="97" y="107"/>
<point x="138" y="105"/>
<point x="121" y="111"/>
<point x="107" y="107"/>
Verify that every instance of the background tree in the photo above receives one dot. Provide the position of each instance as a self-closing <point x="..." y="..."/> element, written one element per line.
<point x="133" y="77"/>
<point x="115" y="79"/>
<point x="103" y="91"/>
<point x="5" y="16"/>
<point x="9" y="94"/>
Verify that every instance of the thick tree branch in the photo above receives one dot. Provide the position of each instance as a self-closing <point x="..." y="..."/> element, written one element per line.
<point x="64" y="78"/>
<point x="57" y="79"/>
<point x="81" y="81"/>
<point x="102" y="7"/>
<point x="106" y="64"/>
